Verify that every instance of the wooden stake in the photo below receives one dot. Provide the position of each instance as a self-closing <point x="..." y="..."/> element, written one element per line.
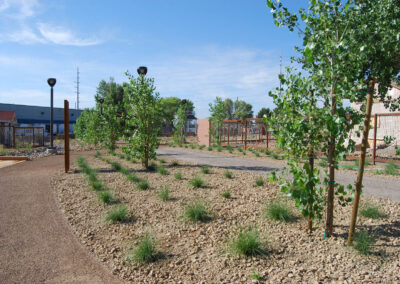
<point x="361" y="163"/>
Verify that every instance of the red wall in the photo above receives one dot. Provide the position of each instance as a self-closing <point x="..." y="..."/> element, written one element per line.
<point x="203" y="132"/>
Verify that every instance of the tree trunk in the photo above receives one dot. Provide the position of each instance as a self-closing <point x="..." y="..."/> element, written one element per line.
<point x="361" y="162"/>
<point x="146" y="148"/>
<point x="331" y="161"/>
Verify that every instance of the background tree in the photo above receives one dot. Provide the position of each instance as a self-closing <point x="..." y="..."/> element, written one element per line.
<point x="170" y="106"/>
<point x="88" y="127"/>
<point x="242" y="110"/>
<point x="144" y="116"/>
<point x="264" y="111"/>
<point x="217" y="115"/>
<point x="180" y="122"/>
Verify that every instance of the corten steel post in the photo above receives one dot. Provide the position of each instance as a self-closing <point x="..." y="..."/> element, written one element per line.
<point x="245" y="133"/>
<point x="66" y="135"/>
<point x="229" y="126"/>
<point x="51" y="82"/>
<point x="375" y="127"/>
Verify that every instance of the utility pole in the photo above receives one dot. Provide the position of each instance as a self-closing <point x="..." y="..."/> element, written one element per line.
<point x="77" y="88"/>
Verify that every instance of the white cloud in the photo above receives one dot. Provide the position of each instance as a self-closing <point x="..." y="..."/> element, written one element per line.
<point x="63" y="36"/>
<point x="25" y="36"/>
<point x="19" y="9"/>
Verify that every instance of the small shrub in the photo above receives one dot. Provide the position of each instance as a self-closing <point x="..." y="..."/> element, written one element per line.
<point x="124" y="171"/>
<point x="205" y="169"/>
<point x="133" y="177"/>
<point x="133" y="160"/>
<point x="397" y="151"/>
<point x="143" y="185"/>
<point x="178" y="175"/>
<point x="162" y="161"/>
<point x="275" y="155"/>
<point x="279" y="211"/>
<point x="267" y="152"/>
<point x="201" y="147"/>
<point x="244" y="153"/>
<point x="230" y="151"/>
<point x="219" y="148"/>
<point x="257" y="154"/>
<point x="248" y="243"/>
<point x="369" y="210"/>
<point x="164" y="194"/>
<point x="117" y="214"/>
<point x="259" y="181"/>
<point x="145" y="251"/>
<point x="197" y="182"/>
<point x="228" y="174"/>
<point x="196" y="212"/>
<point x="92" y="176"/>
<point x="121" y="156"/>
<point x="97" y="154"/>
<point x="210" y="148"/>
<point x="363" y="242"/>
<point x="106" y="197"/>
<point x="152" y="166"/>
<point x="174" y="163"/>
<point x="97" y="185"/>
<point x="229" y="148"/>
<point x="240" y="149"/>
<point x="116" y="166"/>
<point x="161" y="170"/>
<point x="192" y="146"/>
<point x="226" y="194"/>
<point x="186" y="146"/>
<point x="112" y="153"/>
<point x="391" y="169"/>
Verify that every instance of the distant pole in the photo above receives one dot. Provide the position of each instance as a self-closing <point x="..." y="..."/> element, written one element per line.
<point x="51" y="82"/>
<point x="77" y="88"/>
<point x="66" y="135"/>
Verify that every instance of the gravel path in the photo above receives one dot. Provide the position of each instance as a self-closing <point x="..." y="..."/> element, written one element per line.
<point x="385" y="187"/>
<point x="36" y="243"/>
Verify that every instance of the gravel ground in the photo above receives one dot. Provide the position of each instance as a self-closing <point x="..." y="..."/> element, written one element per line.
<point x="198" y="253"/>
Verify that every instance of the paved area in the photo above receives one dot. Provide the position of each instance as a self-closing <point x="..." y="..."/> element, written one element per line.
<point x="36" y="243"/>
<point x="6" y="163"/>
<point x="385" y="187"/>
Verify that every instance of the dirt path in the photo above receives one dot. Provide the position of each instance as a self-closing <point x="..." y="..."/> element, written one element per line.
<point x="385" y="187"/>
<point x="36" y="243"/>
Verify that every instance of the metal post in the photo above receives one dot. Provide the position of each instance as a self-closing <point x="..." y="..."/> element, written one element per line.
<point x="375" y="128"/>
<point x="229" y="126"/>
<point x="51" y="117"/>
<point x="245" y="134"/>
<point x="66" y="135"/>
<point x="13" y="141"/>
<point x="267" y="138"/>
<point x="33" y="136"/>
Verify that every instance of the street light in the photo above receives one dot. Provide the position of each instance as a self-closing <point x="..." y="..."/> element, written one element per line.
<point x="142" y="70"/>
<point x="101" y="101"/>
<point x="51" y="82"/>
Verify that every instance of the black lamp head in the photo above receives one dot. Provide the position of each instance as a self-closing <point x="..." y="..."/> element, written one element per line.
<point x="51" y="81"/>
<point x="101" y="101"/>
<point x="183" y="101"/>
<point x="142" y="70"/>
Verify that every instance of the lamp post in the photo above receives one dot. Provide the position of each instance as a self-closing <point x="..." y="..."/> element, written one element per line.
<point x="51" y="82"/>
<point x="101" y="101"/>
<point x="142" y="70"/>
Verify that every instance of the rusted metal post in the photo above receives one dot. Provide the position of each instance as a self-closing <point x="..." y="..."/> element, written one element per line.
<point x="229" y="126"/>
<point x="375" y="128"/>
<point x="245" y="134"/>
<point x="66" y="135"/>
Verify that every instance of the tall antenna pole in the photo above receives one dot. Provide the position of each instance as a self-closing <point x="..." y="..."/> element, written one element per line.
<point x="77" y="88"/>
<point x="280" y="73"/>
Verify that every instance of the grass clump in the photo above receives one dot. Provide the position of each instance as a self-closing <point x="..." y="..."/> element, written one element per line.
<point x="116" y="166"/>
<point x="210" y="148"/>
<point x="163" y="194"/>
<point x="248" y="243"/>
<point x="201" y="147"/>
<point x="117" y="214"/>
<point x="275" y="155"/>
<point x="267" y="152"/>
<point x="260" y="181"/>
<point x="205" y="169"/>
<point x="162" y="161"/>
<point x="226" y="194"/>
<point x="397" y="151"/>
<point x="363" y="242"/>
<point x="106" y="197"/>
<point x="240" y="149"/>
<point x="178" y="175"/>
<point x="143" y="185"/>
<point x="133" y="177"/>
<point x="197" y="182"/>
<point x="228" y="174"/>
<point x="97" y="185"/>
<point x="390" y="169"/>
<point x="279" y="211"/>
<point x="192" y="146"/>
<point x="162" y="171"/>
<point x="219" y="148"/>
<point x="152" y="166"/>
<point x="97" y="154"/>
<point x="196" y="212"/>
<point x="257" y="154"/>
<point x="369" y="210"/>
<point x="145" y="251"/>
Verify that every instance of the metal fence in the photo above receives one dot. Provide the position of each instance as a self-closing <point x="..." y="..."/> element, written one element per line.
<point x="13" y="136"/>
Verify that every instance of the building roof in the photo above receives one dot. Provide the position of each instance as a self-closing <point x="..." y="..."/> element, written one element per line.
<point x="7" y="116"/>
<point x="39" y="114"/>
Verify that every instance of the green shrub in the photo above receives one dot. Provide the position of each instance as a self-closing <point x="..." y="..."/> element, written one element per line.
<point x="117" y="214"/>
<point x="248" y="243"/>
<point x="279" y="211"/>
<point x="192" y="146"/>
<point x="275" y="155"/>
<point x="205" y="169"/>
<point x="197" y="182"/>
<point x="116" y="166"/>
<point x="244" y="153"/>
<point x="267" y="152"/>
<point x="92" y="176"/>
<point x="133" y="177"/>
<point x="219" y="148"/>
<point x="228" y="174"/>
<point x="226" y="194"/>
<point x="97" y="185"/>
<point x="397" y="151"/>
<point x="143" y="185"/>
<point x="82" y="162"/>
<point x="97" y="154"/>
<point x="259" y="181"/>
<point x="240" y="149"/>
<point x="196" y="212"/>
<point x="257" y="154"/>
<point x="210" y="148"/>
<point x="152" y="166"/>
<point x="369" y="210"/>
<point x="121" y="156"/>
<point x="229" y="148"/>
<point x="186" y="146"/>
<point x="201" y="147"/>
<point x="163" y="194"/>
<point x="178" y="175"/>
<point x="230" y="151"/>
<point x="391" y="169"/>
<point x="124" y="171"/>
<point x="363" y="242"/>
<point x="145" y="251"/>
<point x="112" y="153"/>
<point x="163" y="171"/>
<point x="106" y="197"/>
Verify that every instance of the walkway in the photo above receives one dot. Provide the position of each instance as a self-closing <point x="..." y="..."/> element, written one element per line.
<point x="36" y="243"/>
<point x="385" y="187"/>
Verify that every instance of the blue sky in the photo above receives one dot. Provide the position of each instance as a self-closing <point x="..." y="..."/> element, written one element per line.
<point x="196" y="49"/>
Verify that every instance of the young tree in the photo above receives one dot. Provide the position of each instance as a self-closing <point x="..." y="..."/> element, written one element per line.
<point x="218" y="114"/>
<point x="180" y="122"/>
<point x="264" y="112"/>
<point x="88" y="127"/>
<point x="143" y="115"/>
